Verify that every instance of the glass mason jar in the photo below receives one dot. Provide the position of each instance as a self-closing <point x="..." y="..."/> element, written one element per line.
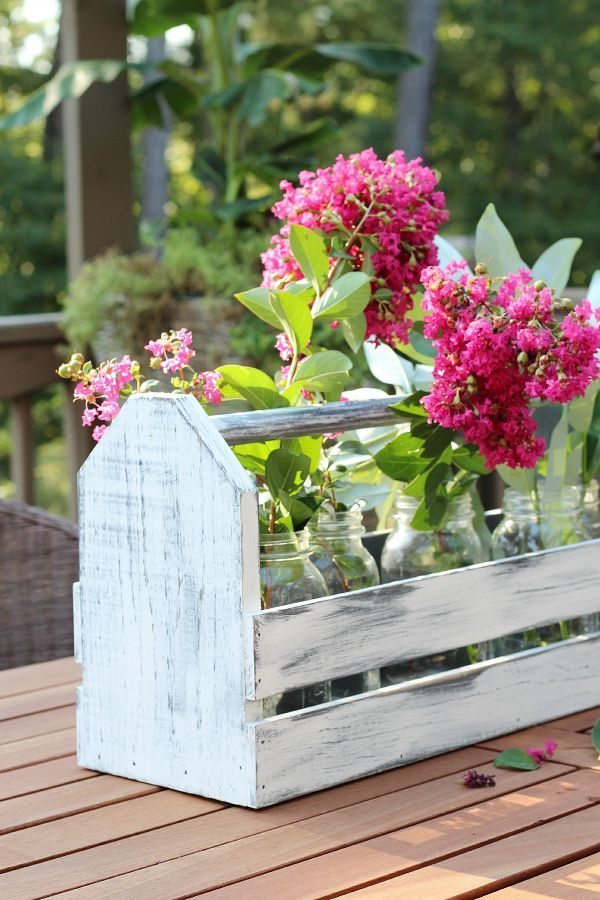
<point x="408" y="553"/>
<point x="529" y="525"/>
<point x="338" y="553"/>
<point x="591" y="508"/>
<point x="288" y="576"/>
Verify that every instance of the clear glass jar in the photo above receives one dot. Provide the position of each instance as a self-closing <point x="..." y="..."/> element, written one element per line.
<point x="408" y="553"/>
<point x="591" y="508"/>
<point x="528" y="525"/>
<point x="288" y="576"/>
<point x="336" y="549"/>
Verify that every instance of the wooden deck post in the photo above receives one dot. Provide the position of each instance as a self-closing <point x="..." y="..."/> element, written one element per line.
<point x="96" y="139"/>
<point x="96" y="132"/>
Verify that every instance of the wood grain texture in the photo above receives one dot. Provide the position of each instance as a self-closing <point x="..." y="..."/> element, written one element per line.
<point x="477" y="872"/>
<point x="262" y="425"/>
<point x="322" y="639"/>
<point x="169" y="566"/>
<point x="234" y="862"/>
<point x="304" y="751"/>
<point x="40" y="675"/>
<point x="577" y="881"/>
<point x="412" y="847"/>
<point x="41" y="776"/>
<point x="38" y="723"/>
<point x="106" y="825"/>
<point x="37" y="701"/>
<point x="36" y="749"/>
<point x="231" y="825"/>
<point x="66" y="800"/>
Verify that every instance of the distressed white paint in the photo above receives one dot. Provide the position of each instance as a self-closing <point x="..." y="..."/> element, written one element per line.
<point x="322" y="639"/>
<point x="313" y="749"/>
<point x="169" y="566"/>
<point x="77" y="622"/>
<point x="169" y="630"/>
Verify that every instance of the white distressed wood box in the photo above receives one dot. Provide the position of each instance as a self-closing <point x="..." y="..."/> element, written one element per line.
<point x="177" y="654"/>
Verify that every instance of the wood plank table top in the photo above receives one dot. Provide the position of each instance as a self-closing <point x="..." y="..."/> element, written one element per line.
<point x="414" y="832"/>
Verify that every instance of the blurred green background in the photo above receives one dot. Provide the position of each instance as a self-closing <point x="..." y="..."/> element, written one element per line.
<point x="512" y="117"/>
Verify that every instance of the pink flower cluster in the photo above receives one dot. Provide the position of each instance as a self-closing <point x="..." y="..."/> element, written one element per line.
<point x="174" y="349"/>
<point x="390" y="208"/>
<point x="538" y="754"/>
<point x="100" y="389"/>
<point x="499" y="346"/>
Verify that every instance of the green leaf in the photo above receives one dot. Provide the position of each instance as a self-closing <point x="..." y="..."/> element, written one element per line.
<point x="554" y="265"/>
<point x="470" y="459"/>
<point x="516" y="759"/>
<point x="254" y="386"/>
<point x="354" y="331"/>
<point x="429" y="481"/>
<point x="411" y="406"/>
<point x="310" y="253"/>
<point x="257" y="301"/>
<point x="422" y="345"/>
<point x="259" y="92"/>
<point x="596" y="736"/>
<point x="309" y="446"/>
<point x="522" y="480"/>
<point x="187" y="7"/>
<point x="286" y="472"/>
<point x="388" y="366"/>
<point x="382" y="59"/>
<point x="254" y="456"/>
<point x="435" y="438"/>
<point x="326" y="371"/>
<point x="72" y="80"/>
<point x="150" y="385"/>
<point x="557" y="459"/>
<point x="346" y="298"/>
<point x="494" y="246"/>
<point x="580" y="410"/>
<point x="430" y="512"/>
<point x="294" y="314"/>
<point x="402" y="458"/>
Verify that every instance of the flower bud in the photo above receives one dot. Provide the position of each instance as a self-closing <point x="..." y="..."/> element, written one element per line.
<point x="155" y="362"/>
<point x="523" y="358"/>
<point x="78" y="358"/>
<point x="539" y="285"/>
<point x="472" y="388"/>
<point x="480" y="269"/>
<point x="566" y="303"/>
<point x="471" y="379"/>
<point x="65" y="370"/>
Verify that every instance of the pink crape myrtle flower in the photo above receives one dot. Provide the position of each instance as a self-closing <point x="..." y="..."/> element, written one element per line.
<point x="539" y="755"/>
<point x="174" y="349"/>
<point x="206" y="387"/>
<point x="284" y="347"/>
<point x="101" y="391"/>
<point x="499" y="347"/>
<point x="393" y="202"/>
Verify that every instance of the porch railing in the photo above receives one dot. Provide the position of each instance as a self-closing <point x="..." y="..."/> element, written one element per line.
<point x="29" y="355"/>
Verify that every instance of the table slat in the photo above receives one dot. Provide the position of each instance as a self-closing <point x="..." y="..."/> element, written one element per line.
<point x="497" y="864"/>
<point x="417" y="845"/>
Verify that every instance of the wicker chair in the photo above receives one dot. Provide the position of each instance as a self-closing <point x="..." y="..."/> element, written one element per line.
<point x="39" y="560"/>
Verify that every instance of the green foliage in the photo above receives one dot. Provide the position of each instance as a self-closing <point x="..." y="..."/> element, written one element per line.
<point x="596" y="736"/>
<point x="516" y="759"/>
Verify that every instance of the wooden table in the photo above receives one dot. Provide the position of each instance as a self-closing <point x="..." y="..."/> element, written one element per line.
<point x="414" y="832"/>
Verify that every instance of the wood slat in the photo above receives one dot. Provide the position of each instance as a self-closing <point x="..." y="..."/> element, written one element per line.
<point x="37" y="723"/>
<point x="263" y="425"/>
<point x="37" y="701"/>
<point x="326" y="638"/>
<point x="226" y="826"/>
<point x="36" y="749"/>
<point x="32" y="778"/>
<point x="577" y="881"/>
<point x="301" y="752"/>
<point x="474" y="873"/>
<point x="66" y="800"/>
<point x="259" y="853"/>
<point x="412" y="847"/>
<point x="537" y="736"/>
<point x="39" y="675"/>
<point x="581" y="721"/>
<point x="102" y="826"/>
